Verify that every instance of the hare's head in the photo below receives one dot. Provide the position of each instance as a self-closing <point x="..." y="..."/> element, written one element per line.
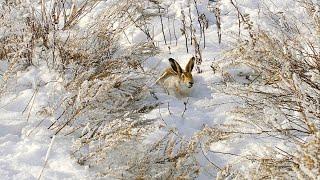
<point x="185" y="76"/>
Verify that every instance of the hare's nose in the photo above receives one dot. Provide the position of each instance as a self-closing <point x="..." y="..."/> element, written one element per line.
<point x="190" y="84"/>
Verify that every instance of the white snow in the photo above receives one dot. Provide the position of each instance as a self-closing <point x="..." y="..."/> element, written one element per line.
<point x="24" y="142"/>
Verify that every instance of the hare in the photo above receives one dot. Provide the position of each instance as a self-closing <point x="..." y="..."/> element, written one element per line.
<point x="176" y="81"/>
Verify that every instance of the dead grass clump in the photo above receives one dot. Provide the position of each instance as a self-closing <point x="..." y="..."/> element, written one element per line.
<point x="282" y="102"/>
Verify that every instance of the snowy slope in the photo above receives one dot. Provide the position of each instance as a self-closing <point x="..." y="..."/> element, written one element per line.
<point x="207" y="105"/>
<point x="24" y="139"/>
<point x="23" y="156"/>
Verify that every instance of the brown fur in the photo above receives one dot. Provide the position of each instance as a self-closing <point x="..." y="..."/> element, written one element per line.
<point x="184" y="77"/>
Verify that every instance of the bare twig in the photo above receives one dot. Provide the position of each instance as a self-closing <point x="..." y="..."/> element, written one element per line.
<point x="185" y="107"/>
<point x="47" y="157"/>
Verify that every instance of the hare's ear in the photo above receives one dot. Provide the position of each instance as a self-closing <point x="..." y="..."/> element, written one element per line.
<point x="175" y="66"/>
<point x="190" y="65"/>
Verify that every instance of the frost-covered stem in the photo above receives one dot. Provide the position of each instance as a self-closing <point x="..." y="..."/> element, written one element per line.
<point x="197" y="53"/>
<point x="191" y="22"/>
<point x="169" y="108"/>
<point x="207" y="158"/>
<point x="56" y="120"/>
<point x="170" y="38"/>
<point x="204" y="25"/>
<point x="161" y="117"/>
<point x="244" y="20"/>
<point x="127" y="38"/>
<point x="65" y="11"/>
<point x="162" y="28"/>
<point x="54" y="47"/>
<point x="204" y="38"/>
<point x="47" y="157"/>
<point x="302" y="110"/>
<point x="239" y="25"/>
<point x="174" y="31"/>
<point x="35" y="127"/>
<point x="55" y="21"/>
<point x="144" y="30"/>
<point x="43" y="11"/>
<point x="217" y="14"/>
<point x="185" y="107"/>
<point x="78" y="111"/>
<point x="186" y="40"/>
<point x="239" y="20"/>
<point x="184" y="29"/>
<point x="78" y="13"/>
<point x="31" y="102"/>
<point x="199" y="17"/>
<point x="152" y="32"/>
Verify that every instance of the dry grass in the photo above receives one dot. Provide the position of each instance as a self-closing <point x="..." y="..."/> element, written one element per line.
<point x="282" y="100"/>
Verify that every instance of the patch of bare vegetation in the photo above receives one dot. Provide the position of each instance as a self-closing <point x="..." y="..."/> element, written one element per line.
<point x="281" y="93"/>
<point x="105" y="92"/>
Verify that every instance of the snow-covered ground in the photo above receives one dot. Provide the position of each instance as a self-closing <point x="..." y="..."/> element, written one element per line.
<point x="23" y="157"/>
<point x="25" y="140"/>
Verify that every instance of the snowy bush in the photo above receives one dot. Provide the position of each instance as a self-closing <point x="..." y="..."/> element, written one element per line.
<point x="105" y="92"/>
<point x="107" y="104"/>
<point x="280" y="93"/>
<point x="15" y="35"/>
